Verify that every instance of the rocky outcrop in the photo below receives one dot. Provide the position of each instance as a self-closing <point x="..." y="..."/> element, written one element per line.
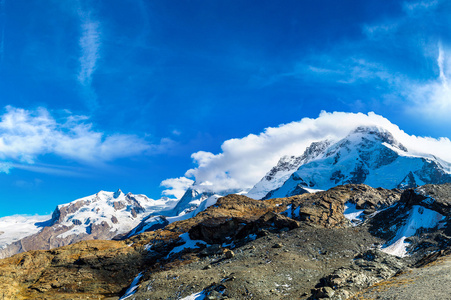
<point x="366" y="269"/>
<point x="431" y="281"/>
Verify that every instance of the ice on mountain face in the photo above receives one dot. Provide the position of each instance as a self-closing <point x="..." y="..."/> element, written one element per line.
<point x="367" y="155"/>
<point x="408" y="182"/>
<point x="195" y="197"/>
<point x="284" y="168"/>
<point x="149" y="223"/>
<point x="14" y="228"/>
<point x="192" y="213"/>
<point x="419" y="217"/>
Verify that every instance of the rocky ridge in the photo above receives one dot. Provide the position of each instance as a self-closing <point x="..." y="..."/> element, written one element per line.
<point x="284" y="168"/>
<point x="305" y="246"/>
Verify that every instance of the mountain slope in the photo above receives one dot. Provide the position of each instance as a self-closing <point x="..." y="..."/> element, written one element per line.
<point x="367" y="155"/>
<point x="284" y="168"/>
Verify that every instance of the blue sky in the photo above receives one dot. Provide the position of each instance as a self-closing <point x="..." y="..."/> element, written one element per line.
<point x="101" y="95"/>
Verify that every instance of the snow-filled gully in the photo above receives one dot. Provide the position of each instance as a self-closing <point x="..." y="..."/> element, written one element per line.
<point x="419" y="217"/>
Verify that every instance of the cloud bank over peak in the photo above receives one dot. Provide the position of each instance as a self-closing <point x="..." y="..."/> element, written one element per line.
<point x="27" y="134"/>
<point x="177" y="186"/>
<point x="244" y="161"/>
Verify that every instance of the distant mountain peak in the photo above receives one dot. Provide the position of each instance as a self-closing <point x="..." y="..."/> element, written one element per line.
<point x="117" y="194"/>
<point x="285" y="167"/>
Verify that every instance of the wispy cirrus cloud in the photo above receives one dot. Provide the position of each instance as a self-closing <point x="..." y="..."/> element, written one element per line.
<point x="404" y="61"/>
<point x="433" y="97"/>
<point x="90" y="45"/>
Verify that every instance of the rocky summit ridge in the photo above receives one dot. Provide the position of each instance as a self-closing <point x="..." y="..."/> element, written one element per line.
<point x="333" y="244"/>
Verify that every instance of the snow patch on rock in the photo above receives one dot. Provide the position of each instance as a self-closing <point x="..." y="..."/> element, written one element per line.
<point x="419" y="217"/>
<point x="353" y="214"/>
<point x="133" y="287"/>
<point x="188" y="243"/>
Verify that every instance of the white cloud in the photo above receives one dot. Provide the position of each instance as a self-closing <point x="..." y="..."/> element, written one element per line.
<point x="432" y="99"/>
<point x="26" y="134"/>
<point x="176" y="132"/>
<point x="90" y="44"/>
<point x="243" y="162"/>
<point x="176" y="186"/>
<point x="442" y="67"/>
<point x="414" y="6"/>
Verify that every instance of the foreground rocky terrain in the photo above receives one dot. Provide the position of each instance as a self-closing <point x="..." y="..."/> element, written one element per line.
<point x="428" y="282"/>
<point x="349" y="241"/>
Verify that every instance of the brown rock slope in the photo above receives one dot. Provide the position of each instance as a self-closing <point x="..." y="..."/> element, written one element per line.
<point x="312" y="241"/>
<point x="432" y="281"/>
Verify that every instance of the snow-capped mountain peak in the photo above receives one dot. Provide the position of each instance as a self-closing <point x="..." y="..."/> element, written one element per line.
<point x="369" y="155"/>
<point x="284" y="168"/>
<point x="118" y="193"/>
<point x="105" y="213"/>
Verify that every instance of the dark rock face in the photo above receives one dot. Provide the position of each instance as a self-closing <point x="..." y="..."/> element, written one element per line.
<point x="359" y="174"/>
<point x="61" y="212"/>
<point x="435" y="197"/>
<point x="432" y="173"/>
